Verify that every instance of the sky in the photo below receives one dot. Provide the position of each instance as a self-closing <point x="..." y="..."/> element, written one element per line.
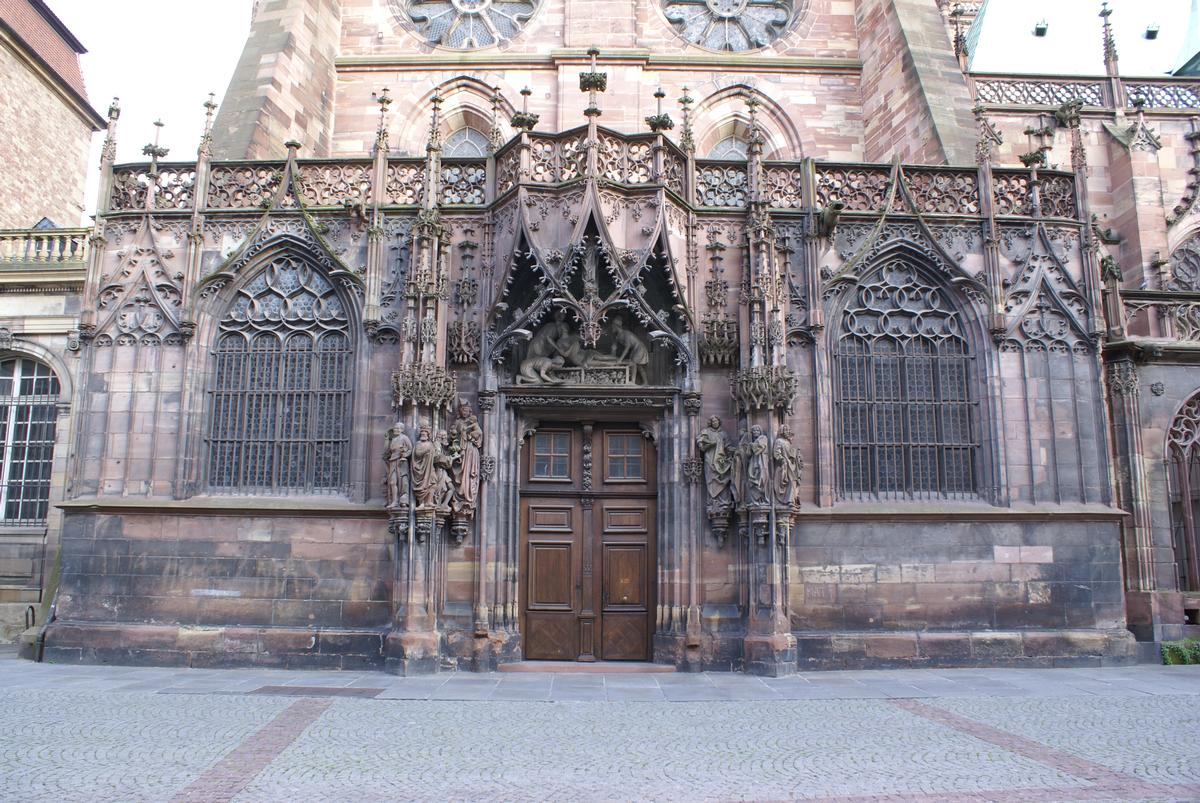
<point x="161" y="58"/>
<point x="1073" y="41"/>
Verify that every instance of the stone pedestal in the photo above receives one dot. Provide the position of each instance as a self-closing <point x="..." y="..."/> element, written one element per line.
<point x="771" y="655"/>
<point x="411" y="653"/>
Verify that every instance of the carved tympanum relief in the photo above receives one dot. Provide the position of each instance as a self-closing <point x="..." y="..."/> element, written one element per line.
<point x="555" y="355"/>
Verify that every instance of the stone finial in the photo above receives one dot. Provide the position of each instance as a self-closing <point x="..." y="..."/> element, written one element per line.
<point x="496" y="135"/>
<point x="686" y="140"/>
<point x="210" y="108"/>
<point x="1110" y="42"/>
<point x="524" y="120"/>
<point x="754" y="135"/>
<point x="988" y="138"/>
<point x="109" y="152"/>
<point x="435" y="125"/>
<point x="592" y="82"/>
<point x="660" y="121"/>
<point x="384" y="99"/>
<point x="155" y="151"/>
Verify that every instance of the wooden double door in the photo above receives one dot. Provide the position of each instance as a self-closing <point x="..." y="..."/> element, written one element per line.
<point x="588" y="497"/>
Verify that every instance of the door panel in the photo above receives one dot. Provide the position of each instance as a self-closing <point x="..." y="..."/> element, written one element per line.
<point x="550" y="586"/>
<point x="588" y="552"/>
<point x="624" y="577"/>
<point x="551" y="567"/>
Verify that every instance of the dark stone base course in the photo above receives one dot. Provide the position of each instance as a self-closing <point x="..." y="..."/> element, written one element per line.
<point x="1024" y="648"/>
<point x="419" y="654"/>
<point x="217" y="647"/>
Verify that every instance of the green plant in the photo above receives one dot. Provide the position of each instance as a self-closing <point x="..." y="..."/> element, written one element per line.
<point x="1181" y="652"/>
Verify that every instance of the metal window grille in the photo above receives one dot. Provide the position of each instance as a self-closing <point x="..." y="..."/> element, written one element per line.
<point x="282" y="379"/>
<point x="1183" y="451"/>
<point x="905" y="417"/>
<point x="29" y="393"/>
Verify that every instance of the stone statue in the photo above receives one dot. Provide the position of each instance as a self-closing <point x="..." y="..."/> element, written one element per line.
<point x="424" y="467"/>
<point x="789" y="467"/>
<point x="629" y="349"/>
<point x="545" y="353"/>
<point x="396" y="456"/>
<point x="575" y="354"/>
<point x="737" y="482"/>
<point x="758" y="469"/>
<point x="718" y="463"/>
<point x="545" y="343"/>
<point x="466" y="437"/>
<point x="536" y="371"/>
<point x="443" y="466"/>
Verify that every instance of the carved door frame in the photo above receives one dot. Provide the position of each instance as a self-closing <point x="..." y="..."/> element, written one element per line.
<point x="590" y="519"/>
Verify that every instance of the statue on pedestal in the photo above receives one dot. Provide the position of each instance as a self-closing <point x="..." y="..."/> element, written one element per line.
<point x="718" y="475"/>
<point x="424" y="467"/>
<point x="466" y="437"/>
<point x="789" y="468"/>
<point x="758" y="469"/>
<point x="396" y="457"/>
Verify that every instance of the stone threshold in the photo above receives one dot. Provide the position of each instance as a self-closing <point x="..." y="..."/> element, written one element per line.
<point x="588" y="667"/>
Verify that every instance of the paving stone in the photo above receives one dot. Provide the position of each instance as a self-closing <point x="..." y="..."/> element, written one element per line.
<point x="1068" y="734"/>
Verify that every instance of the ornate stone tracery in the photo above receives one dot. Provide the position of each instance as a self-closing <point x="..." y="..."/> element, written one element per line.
<point x="465" y="24"/>
<point x="732" y="25"/>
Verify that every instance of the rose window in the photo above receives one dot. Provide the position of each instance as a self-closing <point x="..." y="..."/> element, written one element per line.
<point x="729" y="24"/>
<point x="465" y="24"/>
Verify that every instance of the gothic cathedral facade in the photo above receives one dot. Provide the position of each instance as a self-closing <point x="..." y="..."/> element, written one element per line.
<point x="750" y="335"/>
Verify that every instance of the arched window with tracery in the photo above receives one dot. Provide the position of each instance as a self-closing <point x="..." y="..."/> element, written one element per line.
<point x="1183" y="454"/>
<point x="29" y="397"/>
<point x="733" y="148"/>
<point x="904" y="407"/>
<point x="280" y="392"/>
<point x="466" y="143"/>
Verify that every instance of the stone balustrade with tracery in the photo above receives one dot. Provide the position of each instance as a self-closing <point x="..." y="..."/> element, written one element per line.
<point x="639" y="160"/>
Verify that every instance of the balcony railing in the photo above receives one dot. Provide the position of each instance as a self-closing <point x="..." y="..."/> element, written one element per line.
<point x="42" y="249"/>
<point x="1049" y="92"/>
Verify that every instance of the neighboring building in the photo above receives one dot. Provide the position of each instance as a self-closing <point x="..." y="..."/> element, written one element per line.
<point x="48" y="121"/>
<point x="46" y="135"/>
<point x="805" y="360"/>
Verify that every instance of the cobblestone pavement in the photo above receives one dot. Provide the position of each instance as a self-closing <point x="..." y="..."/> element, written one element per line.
<point x="79" y="733"/>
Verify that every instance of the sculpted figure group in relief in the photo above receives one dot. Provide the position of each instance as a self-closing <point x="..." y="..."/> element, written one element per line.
<point x="437" y="474"/>
<point x="755" y="473"/>
<point x="555" y="355"/>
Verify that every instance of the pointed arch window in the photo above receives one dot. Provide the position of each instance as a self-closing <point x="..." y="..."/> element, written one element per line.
<point x="732" y="148"/>
<point x="465" y="143"/>
<point x="280" y="393"/>
<point x="29" y="396"/>
<point x="905" y="411"/>
<point x="1183" y="453"/>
